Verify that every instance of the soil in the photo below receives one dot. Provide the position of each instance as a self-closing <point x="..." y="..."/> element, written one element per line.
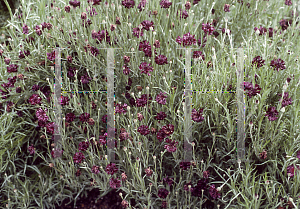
<point x="112" y="200"/>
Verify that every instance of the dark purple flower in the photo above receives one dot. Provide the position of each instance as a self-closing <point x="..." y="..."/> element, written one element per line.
<point x="92" y="12"/>
<point x="184" y="165"/>
<point x="165" y="4"/>
<point x="75" y="3"/>
<point x="197" y="115"/>
<point x="186" y="187"/>
<point x="102" y="139"/>
<point x="83" y="146"/>
<point x="262" y="30"/>
<point x="51" y="55"/>
<point x="69" y="59"/>
<point x="214" y="192"/>
<point x="271" y="113"/>
<point x="95" y="169"/>
<point x="21" y="55"/>
<point x="121" y="108"/>
<point x="160" y="116"/>
<point x="70" y="117"/>
<point x="84" y="117"/>
<point x="35" y="99"/>
<point x="284" y="23"/>
<point x="25" y="29"/>
<point x="168" y="129"/>
<point x="163" y="193"/>
<point x="35" y="87"/>
<point x="298" y="154"/>
<point x="31" y="149"/>
<point x="171" y="147"/>
<point x="226" y="8"/>
<point x="137" y="32"/>
<point x="288" y="2"/>
<point x="12" y="68"/>
<point x="126" y="59"/>
<point x="145" y="68"/>
<point x="7" y="60"/>
<point x="271" y="32"/>
<point x="161" y="60"/>
<point x="50" y="127"/>
<point x="161" y="135"/>
<point x="196" y="2"/>
<point x="67" y="9"/>
<point x="187" y="5"/>
<point x="291" y="170"/>
<point x="201" y="184"/>
<point x="205" y="174"/>
<point x="197" y="54"/>
<point x="144" y="130"/>
<point x="71" y="72"/>
<point x="278" y="64"/>
<point x="85" y="79"/>
<point x="111" y="168"/>
<point x="128" y="3"/>
<point x="286" y="101"/>
<point x="258" y="61"/>
<point x="78" y="157"/>
<point x="114" y="183"/>
<point x="148" y="171"/>
<point x="161" y="98"/>
<point x="41" y="115"/>
<point x="126" y="70"/>
<point x="142" y="5"/>
<point x="55" y="153"/>
<point x="64" y="100"/>
<point x="207" y="28"/>
<point x="204" y="40"/>
<point x="18" y="90"/>
<point x="95" y="2"/>
<point x="183" y="14"/>
<point x="147" y="24"/>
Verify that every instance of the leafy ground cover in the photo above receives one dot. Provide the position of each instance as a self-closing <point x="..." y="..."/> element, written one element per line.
<point x="150" y="171"/>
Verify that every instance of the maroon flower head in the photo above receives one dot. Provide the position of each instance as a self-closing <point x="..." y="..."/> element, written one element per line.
<point x="163" y="193"/>
<point x="197" y="54"/>
<point x="41" y="115"/>
<point x="95" y="169"/>
<point x="291" y="170"/>
<point x="111" y="168"/>
<point x="148" y="171"/>
<point x="145" y="68"/>
<point x="147" y="24"/>
<point x="144" y="130"/>
<point x="183" y="14"/>
<point x="160" y="116"/>
<point x="78" y="157"/>
<point x="35" y="99"/>
<point x="184" y="165"/>
<point x="128" y="3"/>
<point x="84" y="117"/>
<point x="75" y="3"/>
<point x="288" y="2"/>
<point x="137" y="32"/>
<point x="70" y="117"/>
<point x="67" y="9"/>
<point x="85" y="79"/>
<point x="31" y="149"/>
<point x="226" y="8"/>
<point x="83" y="146"/>
<point x="271" y="113"/>
<point x="161" y="98"/>
<point x="64" y="100"/>
<point x="142" y="5"/>
<point x="25" y="29"/>
<point x="12" y="68"/>
<point x="187" y="5"/>
<point x="258" y="61"/>
<point x="165" y="4"/>
<point x="278" y="64"/>
<point x="171" y="147"/>
<point x="114" y="183"/>
<point x="161" y="60"/>
<point x="214" y="192"/>
<point x="207" y="28"/>
<point x="197" y="115"/>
